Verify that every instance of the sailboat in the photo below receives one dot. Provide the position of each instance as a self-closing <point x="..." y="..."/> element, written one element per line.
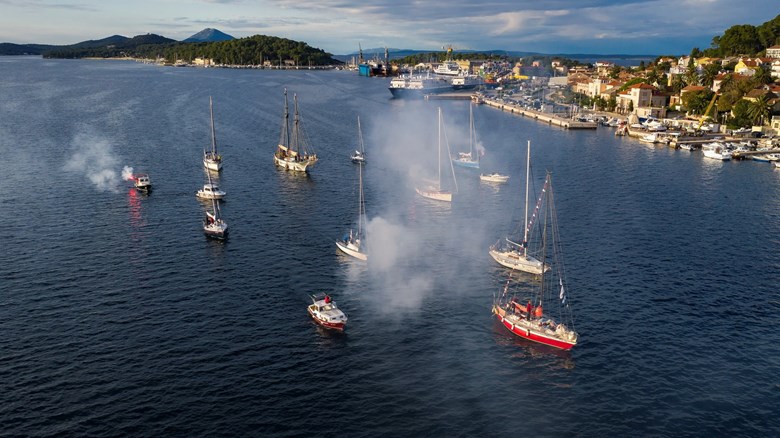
<point x="360" y="155"/>
<point x="471" y="158"/>
<point x="213" y="224"/>
<point x="434" y="191"/>
<point x="292" y="152"/>
<point x="211" y="159"/>
<point x="515" y="255"/>
<point x="354" y="243"/>
<point x="542" y="313"/>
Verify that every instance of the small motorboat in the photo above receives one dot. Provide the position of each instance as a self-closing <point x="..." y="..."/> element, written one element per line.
<point x="210" y="191"/>
<point x="324" y="311"/>
<point x="142" y="182"/>
<point x="358" y="157"/>
<point x="494" y="178"/>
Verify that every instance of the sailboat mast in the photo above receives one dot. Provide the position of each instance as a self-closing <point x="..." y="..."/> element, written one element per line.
<point x="527" y="180"/>
<point x="472" y="133"/>
<point x="285" y="140"/>
<point x="360" y="202"/>
<point x="360" y="136"/>
<point x="295" y="139"/>
<point x="439" y="149"/>
<point x="213" y="132"/>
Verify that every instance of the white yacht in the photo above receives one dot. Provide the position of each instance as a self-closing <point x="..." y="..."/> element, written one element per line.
<point x="210" y="191"/>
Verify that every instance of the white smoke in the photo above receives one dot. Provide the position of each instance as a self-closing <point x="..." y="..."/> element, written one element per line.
<point x="127" y="173"/>
<point x="94" y="159"/>
<point x="394" y="249"/>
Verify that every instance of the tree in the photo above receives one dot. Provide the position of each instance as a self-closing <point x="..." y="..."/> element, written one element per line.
<point x="739" y="115"/>
<point x="630" y="106"/>
<point x="691" y="75"/>
<point x="697" y="101"/>
<point x="709" y="74"/>
<point x="759" y="110"/>
<point x="763" y="76"/>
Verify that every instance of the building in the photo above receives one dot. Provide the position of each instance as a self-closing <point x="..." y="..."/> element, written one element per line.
<point x="773" y="52"/>
<point x="645" y="99"/>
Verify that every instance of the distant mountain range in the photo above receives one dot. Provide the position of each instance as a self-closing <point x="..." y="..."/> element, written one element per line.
<point x="369" y="54"/>
<point x="118" y="42"/>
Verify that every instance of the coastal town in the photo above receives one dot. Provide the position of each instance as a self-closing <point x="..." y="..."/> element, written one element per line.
<point x="729" y="104"/>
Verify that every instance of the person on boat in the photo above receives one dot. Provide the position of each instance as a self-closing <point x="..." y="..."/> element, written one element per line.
<point x="528" y="310"/>
<point x="538" y="311"/>
<point x="327" y="299"/>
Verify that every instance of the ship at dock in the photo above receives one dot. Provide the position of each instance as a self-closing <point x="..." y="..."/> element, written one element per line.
<point x="420" y="85"/>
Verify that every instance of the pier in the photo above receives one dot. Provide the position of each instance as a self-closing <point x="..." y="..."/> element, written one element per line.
<point x="541" y="116"/>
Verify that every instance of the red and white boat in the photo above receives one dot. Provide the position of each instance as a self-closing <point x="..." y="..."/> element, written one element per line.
<point x="325" y="312"/>
<point x="546" y="317"/>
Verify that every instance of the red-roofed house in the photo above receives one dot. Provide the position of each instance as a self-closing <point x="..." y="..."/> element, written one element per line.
<point x="645" y="99"/>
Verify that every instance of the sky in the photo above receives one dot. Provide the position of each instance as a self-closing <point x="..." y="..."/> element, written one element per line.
<point x="634" y="27"/>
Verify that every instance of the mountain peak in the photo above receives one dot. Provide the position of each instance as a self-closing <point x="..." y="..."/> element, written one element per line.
<point x="208" y="35"/>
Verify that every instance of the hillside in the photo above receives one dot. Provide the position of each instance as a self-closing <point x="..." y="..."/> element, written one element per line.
<point x="111" y="47"/>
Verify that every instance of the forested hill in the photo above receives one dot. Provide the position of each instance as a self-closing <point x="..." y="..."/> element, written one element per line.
<point x="245" y="51"/>
<point x="745" y="39"/>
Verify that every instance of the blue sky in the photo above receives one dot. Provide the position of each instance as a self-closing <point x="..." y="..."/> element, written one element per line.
<point x="337" y="26"/>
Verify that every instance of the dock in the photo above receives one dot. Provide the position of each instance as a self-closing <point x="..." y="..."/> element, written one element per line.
<point x="541" y="116"/>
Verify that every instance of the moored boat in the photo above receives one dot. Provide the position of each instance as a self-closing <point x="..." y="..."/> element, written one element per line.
<point x="210" y="191"/>
<point x="213" y="224"/>
<point x="515" y="255"/>
<point x="355" y="244"/>
<point x="434" y="191"/>
<point x="359" y="156"/>
<point x="418" y="85"/>
<point x="212" y="160"/>
<point x="142" y="183"/>
<point x="716" y="151"/>
<point x="469" y="159"/>
<point x="325" y="312"/>
<point x="494" y="178"/>
<point x="293" y="152"/>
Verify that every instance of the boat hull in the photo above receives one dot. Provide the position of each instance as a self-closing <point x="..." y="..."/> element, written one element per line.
<point x="215" y="165"/>
<point x="436" y="195"/>
<point x="466" y="163"/>
<point x="294" y="165"/>
<point x="494" y="178"/>
<point x="401" y="93"/>
<point x="351" y="250"/>
<point x="515" y="260"/>
<point x="340" y="325"/>
<point x="530" y="330"/>
<point x="215" y="231"/>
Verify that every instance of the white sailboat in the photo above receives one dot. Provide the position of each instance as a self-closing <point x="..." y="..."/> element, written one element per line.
<point x="515" y="255"/>
<point x="359" y="156"/>
<point x="434" y="191"/>
<point x="213" y="224"/>
<point x="211" y="159"/>
<point x="353" y="244"/>
<point x="469" y="159"/>
<point x="293" y="152"/>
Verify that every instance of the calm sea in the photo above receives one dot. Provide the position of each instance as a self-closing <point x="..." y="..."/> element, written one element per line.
<point x="118" y="317"/>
